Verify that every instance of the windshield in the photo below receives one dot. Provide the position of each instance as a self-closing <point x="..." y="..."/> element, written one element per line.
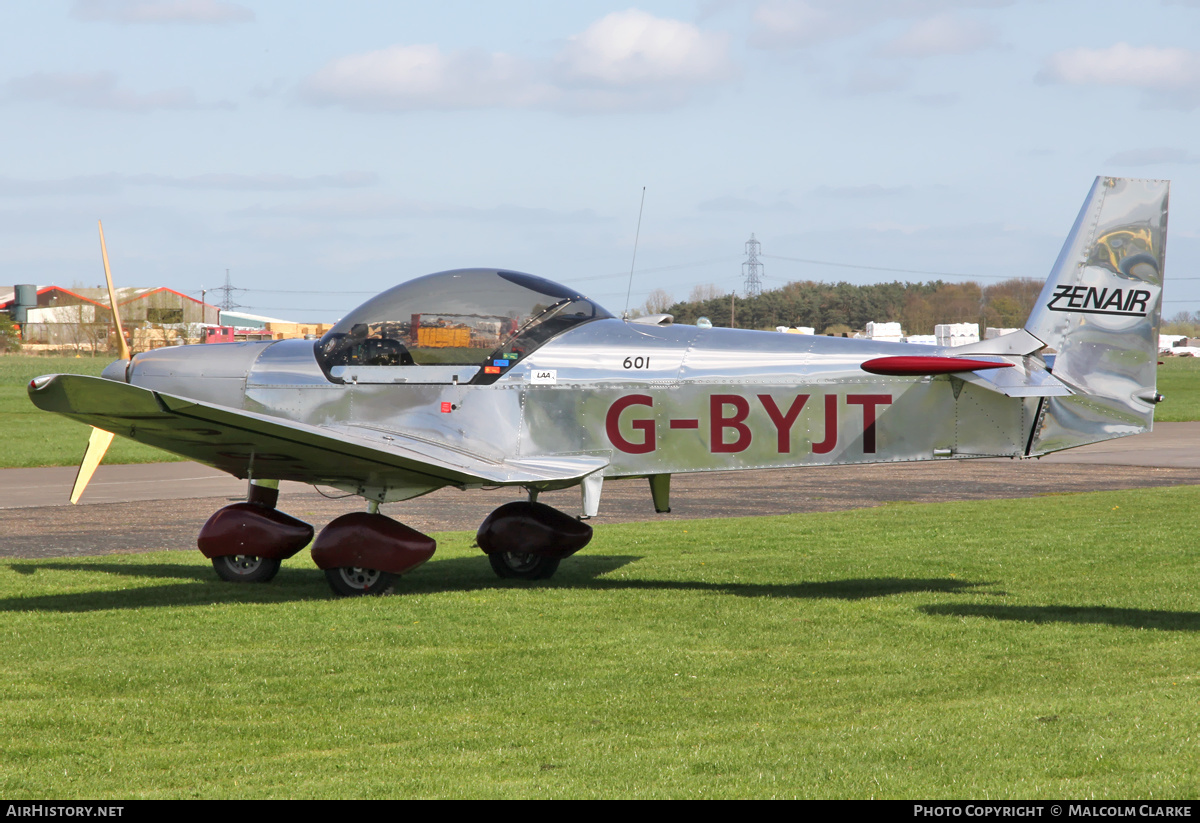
<point x="480" y="317"/>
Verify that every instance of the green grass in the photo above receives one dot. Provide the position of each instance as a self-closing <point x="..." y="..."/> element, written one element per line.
<point x="33" y="437"/>
<point x="1179" y="383"/>
<point x="1045" y="648"/>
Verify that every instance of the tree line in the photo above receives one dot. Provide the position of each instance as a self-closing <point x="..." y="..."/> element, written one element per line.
<point x="1183" y="322"/>
<point x="836" y="307"/>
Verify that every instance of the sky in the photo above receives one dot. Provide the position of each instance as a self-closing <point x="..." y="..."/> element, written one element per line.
<point x="320" y="153"/>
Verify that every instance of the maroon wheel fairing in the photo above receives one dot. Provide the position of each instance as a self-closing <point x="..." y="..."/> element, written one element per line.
<point x="254" y="530"/>
<point x="532" y="528"/>
<point x="371" y="541"/>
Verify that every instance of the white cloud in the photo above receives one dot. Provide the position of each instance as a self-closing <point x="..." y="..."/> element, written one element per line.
<point x="422" y="77"/>
<point x="92" y="184"/>
<point x="261" y="182"/>
<point x="1153" y="156"/>
<point x="382" y="207"/>
<point x="108" y="184"/>
<point x="809" y="24"/>
<point x="161" y="11"/>
<point x="788" y="24"/>
<point x="627" y="60"/>
<point x="1171" y="74"/>
<point x="1148" y="67"/>
<point x="635" y="48"/>
<point x="868" y="190"/>
<point x="728" y="203"/>
<point x="785" y="24"/>
<point x="96" y="90"/>
<point x="939" y="35"/>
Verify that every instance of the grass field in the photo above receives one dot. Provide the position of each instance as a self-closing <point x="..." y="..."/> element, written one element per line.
<point x="35" y="438"/>
<point x="1039" y="648"/>
<point x="1179" y="383"/>
<point x="32" y="437"/>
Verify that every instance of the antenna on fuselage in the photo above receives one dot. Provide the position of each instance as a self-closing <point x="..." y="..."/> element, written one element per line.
<point x="633" y="263"/>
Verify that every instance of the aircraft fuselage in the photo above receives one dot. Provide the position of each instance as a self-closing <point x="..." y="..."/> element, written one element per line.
<point x="650" y="400"/>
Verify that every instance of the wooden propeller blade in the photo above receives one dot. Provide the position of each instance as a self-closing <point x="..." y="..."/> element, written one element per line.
<point x="100" y="440"/>
<point x="112" y="298"/>
<point x="96" y="447"/>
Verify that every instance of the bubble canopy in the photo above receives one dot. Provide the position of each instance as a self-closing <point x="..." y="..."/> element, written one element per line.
<point x="476" y="317"/>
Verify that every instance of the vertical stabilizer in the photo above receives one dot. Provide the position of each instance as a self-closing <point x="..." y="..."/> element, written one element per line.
<point x="1099" y="314"/>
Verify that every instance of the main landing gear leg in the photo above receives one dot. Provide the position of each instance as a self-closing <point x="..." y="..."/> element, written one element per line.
<point x="248" y="541"/>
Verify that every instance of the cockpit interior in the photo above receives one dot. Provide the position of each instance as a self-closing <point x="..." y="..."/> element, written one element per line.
<point x="485" y="318"/>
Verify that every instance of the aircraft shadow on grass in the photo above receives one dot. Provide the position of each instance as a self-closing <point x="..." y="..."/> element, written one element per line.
<point x="1099" y="615"/>
<point x="453" y="575"/>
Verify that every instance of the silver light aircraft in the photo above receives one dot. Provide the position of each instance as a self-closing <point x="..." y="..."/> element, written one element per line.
<point x="488" y="377"/>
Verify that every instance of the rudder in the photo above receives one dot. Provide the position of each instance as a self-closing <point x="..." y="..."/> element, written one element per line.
<point x="1099" y="316"/>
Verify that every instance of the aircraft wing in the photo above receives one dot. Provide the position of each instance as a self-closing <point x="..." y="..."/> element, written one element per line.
<point x="248" y="444"/>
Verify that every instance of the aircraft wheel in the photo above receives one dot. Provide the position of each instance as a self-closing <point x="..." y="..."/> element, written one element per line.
<point x="523" y="566"/>
<point x="352" y="581"/>
<point x="245" y="568"/>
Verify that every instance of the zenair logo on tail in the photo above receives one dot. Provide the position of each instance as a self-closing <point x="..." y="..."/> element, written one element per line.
<point x="1090" y="300"/>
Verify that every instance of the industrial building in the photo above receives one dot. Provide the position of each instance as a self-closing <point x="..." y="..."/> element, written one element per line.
<point x="54" y="318"/>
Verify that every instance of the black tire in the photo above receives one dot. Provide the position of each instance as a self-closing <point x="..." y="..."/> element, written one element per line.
<point x="522" y="566"/>
<point x="245" y="568"/>
<point x="351" y="581"/>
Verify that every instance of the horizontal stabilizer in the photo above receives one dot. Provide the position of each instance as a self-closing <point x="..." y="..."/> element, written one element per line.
<point x="1019" y="342"/>
<point x="1027" y="378"/>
